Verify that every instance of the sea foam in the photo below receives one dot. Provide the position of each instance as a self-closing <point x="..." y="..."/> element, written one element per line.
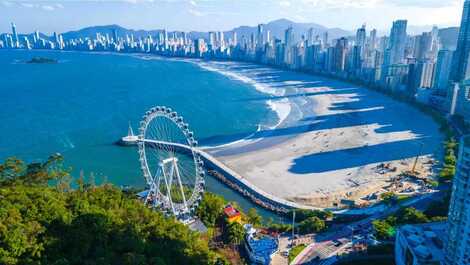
<point x="280" y="107"/>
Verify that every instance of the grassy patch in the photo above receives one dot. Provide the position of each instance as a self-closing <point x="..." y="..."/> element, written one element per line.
<point x="401" y="198"/>
<point x="296" y="251"/>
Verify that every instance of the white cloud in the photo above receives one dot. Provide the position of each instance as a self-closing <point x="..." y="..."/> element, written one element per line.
<point x="284" y="3"/>
<point x="193" y="3"/>
<point x="196" y="13"/>
<point x="136" y="1"/>
<point x="424" y="3"/>
<point x="27" y="5"/>
<point x="333" y="4"/>
<point x="48" y="7"/>
<point x="7" y="3"/>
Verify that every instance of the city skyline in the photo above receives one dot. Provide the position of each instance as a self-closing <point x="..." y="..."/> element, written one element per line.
<point x="207" y="15"/>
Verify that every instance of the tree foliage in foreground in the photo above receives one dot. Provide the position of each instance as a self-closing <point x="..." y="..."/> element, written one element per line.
<point x="254" y="218"/>
<point x="450" y="160"/>
<point x="385" y="229"/>
<point x="42" y="224"/>
<point x="235" y="233"/>
<point x="210" y="209"/>
<point x="311" y="225"/>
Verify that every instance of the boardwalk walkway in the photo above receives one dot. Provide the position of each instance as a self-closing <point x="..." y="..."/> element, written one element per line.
<point x="213" y="163"/>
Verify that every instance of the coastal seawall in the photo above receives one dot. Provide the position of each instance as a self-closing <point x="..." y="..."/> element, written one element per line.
<point x="237" y="182"/>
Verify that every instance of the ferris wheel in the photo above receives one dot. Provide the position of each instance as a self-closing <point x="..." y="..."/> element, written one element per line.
<point x="171" y="165"/>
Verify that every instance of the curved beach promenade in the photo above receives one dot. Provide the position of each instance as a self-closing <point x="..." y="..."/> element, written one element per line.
<point x="212" y="163"/>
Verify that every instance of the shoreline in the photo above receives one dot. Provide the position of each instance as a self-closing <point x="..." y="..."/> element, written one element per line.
<point x="282" y="108"/>
<point x="333" y="112"/>
<point x="231" y="154"/>
<point x="362" y="132"/>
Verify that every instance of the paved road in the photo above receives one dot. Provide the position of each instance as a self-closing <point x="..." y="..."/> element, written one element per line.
<point x="279" y="258"/>
<point x="326" y="247"/>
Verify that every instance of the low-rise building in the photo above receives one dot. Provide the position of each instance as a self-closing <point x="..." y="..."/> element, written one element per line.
<point x="421" y="244"/>
<point x="260" y="247"/>
<point x="232" y="214"/>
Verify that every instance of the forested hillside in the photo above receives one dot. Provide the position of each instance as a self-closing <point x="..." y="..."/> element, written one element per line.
<point x="44" y="221"/>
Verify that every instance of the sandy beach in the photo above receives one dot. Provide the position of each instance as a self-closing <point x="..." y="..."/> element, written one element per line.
<point x="329" y="140"/>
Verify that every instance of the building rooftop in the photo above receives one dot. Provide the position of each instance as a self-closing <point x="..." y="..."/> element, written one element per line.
<point x="261" y="246"/>
<point x="426" y="241"/>
<point x="230" y="211"/>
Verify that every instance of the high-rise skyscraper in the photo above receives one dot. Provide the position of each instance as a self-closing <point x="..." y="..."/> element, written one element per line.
<point x="361" y="39"/>
<point x="443" y="66"/>
<point x="165" y="39"/>
<point x="325" y="39"/>
<point x="289" y="37"/>
<point x="16" y="41"/>
<point x="436" y="42"/>
<point x="397" y="42"/>
<point x="235" y="38"/>
<point x="310" y="36"/>
<point x="423" y="46"/>
<point x="461" y="54"/>
<point x="37" y="37"/>
<point x="340" y="54"/>
<point x="260" y="36"/>
<point x="212" y="39"/>
<point x="373" y="40"/>
<point x="221" y="38"/>
<point x="115" y="35"/>
<point x="289" y="42"/>
<point x="457" y="247"/>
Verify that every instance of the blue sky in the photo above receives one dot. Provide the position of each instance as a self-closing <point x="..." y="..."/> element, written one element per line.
<point x="204" y="15"/>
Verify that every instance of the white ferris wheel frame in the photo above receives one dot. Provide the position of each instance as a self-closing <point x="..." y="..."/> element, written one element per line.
<point x="168" y="167"/>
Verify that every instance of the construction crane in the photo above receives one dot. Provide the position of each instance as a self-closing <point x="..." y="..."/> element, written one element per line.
<point x="413" y="170"/>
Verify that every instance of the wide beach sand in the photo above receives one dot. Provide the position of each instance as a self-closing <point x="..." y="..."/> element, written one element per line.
<point x="330" y="142"/>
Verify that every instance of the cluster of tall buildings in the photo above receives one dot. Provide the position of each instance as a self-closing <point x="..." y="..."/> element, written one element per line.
<point x="418" y="66"/>
<point x="33" y="41"/>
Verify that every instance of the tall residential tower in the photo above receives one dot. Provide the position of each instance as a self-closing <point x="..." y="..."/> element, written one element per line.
<point x="461" y="54"/>
<point x="457" y="247"/>
<point x="16" y="41"/>
<point x="397" y="42"/>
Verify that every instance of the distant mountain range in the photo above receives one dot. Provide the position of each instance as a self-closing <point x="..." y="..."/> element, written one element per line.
<point x="276" y="27"/>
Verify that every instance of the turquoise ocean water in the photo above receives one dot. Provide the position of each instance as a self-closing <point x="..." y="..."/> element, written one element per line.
<point x="82" y="105"/>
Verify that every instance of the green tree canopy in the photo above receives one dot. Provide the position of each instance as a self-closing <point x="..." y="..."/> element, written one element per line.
<point x="411" y="216"/>
<point x="41" y="224"/>
<point x="254" y="218"/>
<point x="235" y="233"/>
<point x="210" y="209"/>
<point x="312" y="225"/>
<point x="383" y="229"/>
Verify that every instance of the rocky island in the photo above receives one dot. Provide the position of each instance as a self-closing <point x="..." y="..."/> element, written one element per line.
<point x="42" y="60"/>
